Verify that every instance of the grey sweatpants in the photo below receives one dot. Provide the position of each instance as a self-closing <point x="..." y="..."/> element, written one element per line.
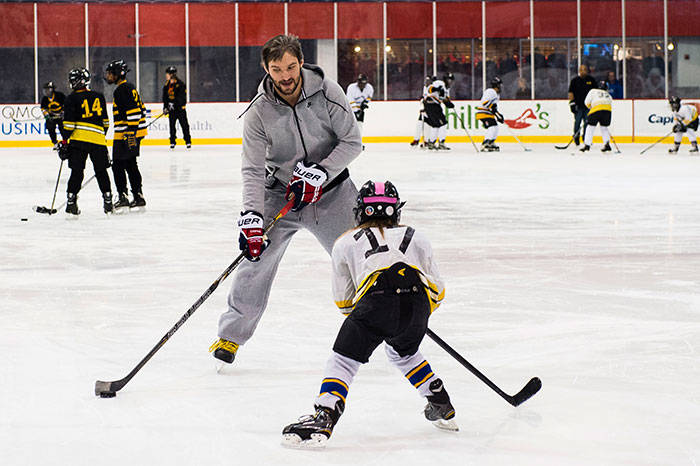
<point x="330" y="217"/>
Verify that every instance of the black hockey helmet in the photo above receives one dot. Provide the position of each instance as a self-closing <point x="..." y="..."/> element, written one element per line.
<point x="78" y="78"/>
<point x="118" y="68"/>
<point x="603" y="85"/>
<point x="428" y="79"/>
<point x="48" y="88"/>
<point x="361" y="79"/>
<point x="496" y="82"/>
<point x="675" y="103"/>
<point x="378" y="201"/>
<point x="448" y="78"/>
<point x="171" y="70"/>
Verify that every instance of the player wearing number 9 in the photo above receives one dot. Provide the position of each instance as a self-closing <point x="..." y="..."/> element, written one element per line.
<point x="86" y="122"/>
<point x="129" y="129"/>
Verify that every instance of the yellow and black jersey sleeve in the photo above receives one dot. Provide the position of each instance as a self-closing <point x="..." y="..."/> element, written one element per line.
<point x="86" y="117"/>
<point x="129" y="112"/>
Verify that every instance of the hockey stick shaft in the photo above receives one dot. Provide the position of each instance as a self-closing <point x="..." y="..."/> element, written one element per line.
<point x="102" y="387"/>
<point x="464" y="127"/>
<point x="55" y="190"/>
<point x="512" y="133"/>
<point x="532" y="387"/>
<point x="154" y="120"/>
<point x="570" y="141"/>
<point x="46" y="210"/>
<point x="617" y="149"/>
<point x="660" y="139"/>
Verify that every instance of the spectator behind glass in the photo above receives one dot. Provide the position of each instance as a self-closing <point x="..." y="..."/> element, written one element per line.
<point x="654" y="84"/>
<point x="523" y="91"/>
<point x="614" y="86"/>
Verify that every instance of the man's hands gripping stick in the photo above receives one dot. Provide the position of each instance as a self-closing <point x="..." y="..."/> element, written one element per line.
<point x="306" y="184"/>
<point x="252" y="240"/>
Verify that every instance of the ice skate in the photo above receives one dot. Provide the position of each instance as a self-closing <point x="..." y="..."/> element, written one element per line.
<point x="122" y="204"/>
<point x="172" y="146"/>
<point x="606" y="147"/>
<point x="674" y="149"/>
<point x="313" y="431"/>
<point x="694" y="149"/>
<point x="138" y="204"/>
<point x="414" y="143"/>
<point x="585" y="148"/>
<point x="442" y="146"/>
<point x="439" y="410"/>
<point x="430" y="145"/>
<point x="189" y="146"/>
<point x="72" y="205"/>
<point x="56" y="146"/>
<point x="107" y="202"/>
<point x="225" y="351"/>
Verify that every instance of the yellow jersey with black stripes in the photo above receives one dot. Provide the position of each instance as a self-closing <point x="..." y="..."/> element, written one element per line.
<point x="128" y="111"/>
<point x="86" y="116"/>
<point x="598" y="100"/>
<point x="362" y="254"/>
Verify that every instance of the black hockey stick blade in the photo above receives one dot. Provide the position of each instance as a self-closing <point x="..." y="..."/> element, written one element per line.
<point x="532" y="387"/>
<point x="40" y="209"/>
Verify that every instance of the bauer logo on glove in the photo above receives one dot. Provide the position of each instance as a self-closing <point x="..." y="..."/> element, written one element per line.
<point x="306" y="184"/>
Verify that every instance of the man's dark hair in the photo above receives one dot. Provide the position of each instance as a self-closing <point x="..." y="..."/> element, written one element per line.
<point x="275" y="48"/>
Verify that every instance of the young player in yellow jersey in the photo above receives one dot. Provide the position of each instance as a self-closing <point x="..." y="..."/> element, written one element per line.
<point x="599" y="105"/>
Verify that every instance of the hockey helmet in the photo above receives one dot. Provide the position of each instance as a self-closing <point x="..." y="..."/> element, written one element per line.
<point x="428" y="80"/>
<point x="361" y="79"/>
<point x="603" y="85"/>
<point x="118" y="68"/>
<point x="675" y="103"/>
<point x="448" y="78"/>
<point x="78" y="78"/>
<point x="171" y="70"/>
<point x="49" y="88"/>
<point x="496" y="82"/>
<point x="378" y="201"/>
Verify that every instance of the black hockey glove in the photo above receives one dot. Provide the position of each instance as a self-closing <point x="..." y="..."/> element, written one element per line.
<point x="63" y="150"/>
<point x="364" y="105"/>
<point x="499" y="117"/>
<point x="679" y="128"/>
<point x="251" y="239"/>
<point x="306" y="184"/>
<point x="131" y="140"/>
<point x="573" y="106"/>
<point x="448" y="103"/>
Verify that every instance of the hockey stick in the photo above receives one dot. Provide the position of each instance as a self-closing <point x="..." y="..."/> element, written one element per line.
<point x="570" y="141"/>
<point x="464" y="127"/>
<point x="661" y="139"/>
<point x="532" y="387"/>
<point x="154" y="120"/>
<point x="517" y="139"/>
<point x="110" y="389"/>
<point x="617" y="149"/>
<point x="45" y="210"/>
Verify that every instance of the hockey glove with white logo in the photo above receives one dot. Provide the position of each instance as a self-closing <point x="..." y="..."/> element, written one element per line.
<point x="251" y="240"/>
<point x="573" y="106"/>
<point x="63" y="150"/>
<point x="679" y="128"/>
<point x="131" y="140"/>
<point x="306" y="184"/>
<point x="499" y="117"/>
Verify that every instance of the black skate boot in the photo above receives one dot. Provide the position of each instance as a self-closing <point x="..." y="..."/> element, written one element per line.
<point x="72" y="204"/>
<point x="138" y="201"/>
<point x="122" y="202"/>
<point x="107" y="202"/>
<point x="224" y="350"/>
<point x="606" y="147"/>
<point x="439" y="410"/>
<point x="693" y="149"/>
<point x="414" y="143"/>
<point x="189" y="145"/>
<point x="674" y="149"/>
<point x="172" y="146"/>
<point x="442" y="146"/>
<point x="314" y="430"/>
<point x="585" y="148"/>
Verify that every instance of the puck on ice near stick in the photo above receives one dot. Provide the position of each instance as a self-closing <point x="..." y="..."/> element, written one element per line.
<point x="23" y="219"/>
<point x="108" y="394"/>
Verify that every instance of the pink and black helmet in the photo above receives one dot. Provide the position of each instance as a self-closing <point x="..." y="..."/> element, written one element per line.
<point x="378" y="200"/>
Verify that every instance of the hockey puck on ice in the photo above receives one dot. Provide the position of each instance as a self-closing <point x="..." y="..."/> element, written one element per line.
<point x="23" y="219"/>
<point x="108" y="394"/>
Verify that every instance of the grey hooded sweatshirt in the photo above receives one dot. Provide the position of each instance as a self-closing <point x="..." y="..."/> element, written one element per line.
<point x="320" y="128"/>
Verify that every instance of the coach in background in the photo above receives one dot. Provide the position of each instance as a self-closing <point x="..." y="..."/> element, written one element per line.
<point x="174" y="102"/>
<point x="578" y="90"/>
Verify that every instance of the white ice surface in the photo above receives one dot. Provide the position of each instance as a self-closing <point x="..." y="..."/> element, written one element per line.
<point x="584" y="271"/>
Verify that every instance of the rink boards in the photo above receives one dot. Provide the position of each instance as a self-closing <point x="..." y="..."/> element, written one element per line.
<point x="547" y="121"/>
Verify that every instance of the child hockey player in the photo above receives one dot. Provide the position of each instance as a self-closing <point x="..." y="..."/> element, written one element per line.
<point x="487" y="113"/>
<point x="686" y="118"/>
<point x="599" y="105"/>
<point x="385" y="277"/>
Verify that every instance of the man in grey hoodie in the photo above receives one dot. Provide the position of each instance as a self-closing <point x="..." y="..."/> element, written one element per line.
<point x="299" y="135"/>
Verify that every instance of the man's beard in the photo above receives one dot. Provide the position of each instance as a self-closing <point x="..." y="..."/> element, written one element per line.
<point x="282" y="91"/>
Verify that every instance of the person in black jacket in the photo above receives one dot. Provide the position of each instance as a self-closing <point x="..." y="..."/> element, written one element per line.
<point x="578" y="90"/>
<point x="174" y="102"/>
<point x="52" y="108"/>
<point x="129" y="129"/>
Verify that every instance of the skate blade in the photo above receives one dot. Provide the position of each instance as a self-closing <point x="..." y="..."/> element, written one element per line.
<point x="137" y="210"/>
<point x="446" y="424"/>
<point x="120" y="210"/>
<point x="316" y="442"/>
